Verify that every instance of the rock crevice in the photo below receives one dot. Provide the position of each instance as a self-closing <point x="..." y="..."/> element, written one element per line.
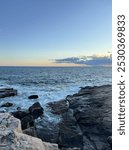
<point x="12" y="138"/>
<point x="86" y="123"/>
<point x="87" y="120"/>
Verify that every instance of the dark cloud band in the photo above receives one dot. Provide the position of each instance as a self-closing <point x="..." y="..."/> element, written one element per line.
<point x="89" y="60"/>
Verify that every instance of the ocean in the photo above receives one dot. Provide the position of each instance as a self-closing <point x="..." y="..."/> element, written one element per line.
<point x="49" y="83"/>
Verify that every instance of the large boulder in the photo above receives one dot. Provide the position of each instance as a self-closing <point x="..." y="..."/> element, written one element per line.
<point x="7" y="121"/>
<point x="12" y="138"/>
<point x="28" y="117"/>
<point x="92" y="108"/>
<point x="7" y="92"/>
<point x="36" y="110"/>
<point x="86" y="119"/>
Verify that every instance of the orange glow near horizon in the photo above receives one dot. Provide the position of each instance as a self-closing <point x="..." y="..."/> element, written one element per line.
<point x="36" y="63"/>
<point x="45" y="62"/>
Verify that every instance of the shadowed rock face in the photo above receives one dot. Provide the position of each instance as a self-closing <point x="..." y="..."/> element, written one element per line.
<point x="70" y="134"/>
<point x="12" y="138"/>
<point x="47" y="131"/>
<point x="36" y="110"/>
<point x="28" y="117"/>
<point x="87" y="123"/>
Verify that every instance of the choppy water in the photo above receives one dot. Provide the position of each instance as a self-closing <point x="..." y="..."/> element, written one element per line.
<point x="50" y="83"/>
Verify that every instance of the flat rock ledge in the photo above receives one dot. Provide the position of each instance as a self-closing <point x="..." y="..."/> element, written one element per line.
<point x="7" y="92"/>
<point x="12" y="138"/>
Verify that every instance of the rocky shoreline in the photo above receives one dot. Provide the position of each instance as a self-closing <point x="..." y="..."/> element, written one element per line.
<point x="86" y="120"/>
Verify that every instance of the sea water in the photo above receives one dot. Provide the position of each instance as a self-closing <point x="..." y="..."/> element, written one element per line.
<point x="49" y="83"/>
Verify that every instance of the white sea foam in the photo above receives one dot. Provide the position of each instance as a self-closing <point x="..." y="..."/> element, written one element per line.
<point x="50" y="84"/>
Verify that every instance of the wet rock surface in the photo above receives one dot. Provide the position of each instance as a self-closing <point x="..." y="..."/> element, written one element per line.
<point x="36" y="110"/>
<point x="28" y="117"/>
<point x="70" y="134"/>
<point x="47" y="131"/>
<point x="33" y="97"/>
<point x="7" y="92"/>
<point x="12" y="138"/>
<point x="87" y="121"/>
<point x="59" y="107"/>
<point x="8" y="104"/>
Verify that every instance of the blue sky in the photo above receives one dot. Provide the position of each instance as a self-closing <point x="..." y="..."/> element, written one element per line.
<point x="36" y="32"/>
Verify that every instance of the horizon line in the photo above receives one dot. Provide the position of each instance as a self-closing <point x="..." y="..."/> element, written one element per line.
<point x="59" y="66"/>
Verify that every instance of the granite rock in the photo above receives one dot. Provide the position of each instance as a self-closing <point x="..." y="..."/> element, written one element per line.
<point x="12" y="138"/>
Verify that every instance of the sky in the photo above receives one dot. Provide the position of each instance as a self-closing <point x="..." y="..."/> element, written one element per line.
<point x="45" y="32"/>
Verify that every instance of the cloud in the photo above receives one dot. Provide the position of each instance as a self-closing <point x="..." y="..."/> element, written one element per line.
<point x="87" y="60"/>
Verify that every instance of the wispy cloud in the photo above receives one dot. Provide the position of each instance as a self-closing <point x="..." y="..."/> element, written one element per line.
<point x="87" y="60"/>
